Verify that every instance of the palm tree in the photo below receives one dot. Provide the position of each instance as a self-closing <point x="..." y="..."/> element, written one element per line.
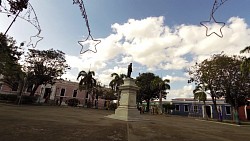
<point x="245" y="66"/>
<point x="161" y="86"/>
<point x="115" y="83"/>
<point x="87" y="82"/>
<point x="200" y="95"/>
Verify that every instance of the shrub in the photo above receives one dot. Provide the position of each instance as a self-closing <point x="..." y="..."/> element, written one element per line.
<point x="28" y="99"/>
<point x="112" y="106"/>
<point x="73" y="102"/>
<point x="8" y="97"/>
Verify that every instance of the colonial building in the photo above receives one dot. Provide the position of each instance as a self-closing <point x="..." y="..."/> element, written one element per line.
<point x="62" y="90"/>
<point x="59" y="93"/>
<point x="194" y="108"/>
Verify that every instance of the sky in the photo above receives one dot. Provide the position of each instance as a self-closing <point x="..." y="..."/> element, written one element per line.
<point x="164" y="37"/>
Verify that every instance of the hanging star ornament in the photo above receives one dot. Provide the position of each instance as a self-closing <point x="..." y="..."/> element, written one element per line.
<point x="211" y="25"/>
<point x="34" y="42"/>
<point x="89" y="43"/>
<point x="26" y="12"/>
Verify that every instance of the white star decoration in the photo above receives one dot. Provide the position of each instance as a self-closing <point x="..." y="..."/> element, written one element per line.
<point x="34" y="42"/>
<point x="89" y="43"/>
<point x="213" y="27"/>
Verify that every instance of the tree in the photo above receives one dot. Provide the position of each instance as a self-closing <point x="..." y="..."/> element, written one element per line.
<point x="17" y="5"/>
<point x="115" y="83"/>
<point x="235" y="86"/>
<point x="9" y="57"/>
<point x="87" y="83"/>
<point x="146" y="92"/>
<point x="108" y="94"/>
<point x="160" y="87"/>
<point x="245" y="66"/>
<point x="223" y="78"/>
<point x="44" y="66"/>
<point x="208" y="73"/>
<point x="200" y="95"/>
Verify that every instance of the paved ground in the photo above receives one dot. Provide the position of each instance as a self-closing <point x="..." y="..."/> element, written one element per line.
<point x="47" y="123"/>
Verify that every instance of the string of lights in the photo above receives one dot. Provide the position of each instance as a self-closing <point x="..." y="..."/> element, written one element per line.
<point x="89" y="41"/>
<point x="24" y="10"/>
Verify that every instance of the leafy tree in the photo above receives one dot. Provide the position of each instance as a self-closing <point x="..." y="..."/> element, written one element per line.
<point x="200" y="95"/>
<point x="44" y="66"/>
<point x="234" y="86"/>
<point x="223" y="78"/>
<point x="108" y="94"/>
<point x="160" y="87"/>
<point x="17" y="5"/>
<point x="146" y="92"/>
<point x="116" y="82"/>
<point x="9" y="57"/>
<point x="208" y="73"/>
<point x="87" y="82"/>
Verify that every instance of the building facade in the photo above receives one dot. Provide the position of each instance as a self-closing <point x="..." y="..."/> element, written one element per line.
<point x="194" y="108"/>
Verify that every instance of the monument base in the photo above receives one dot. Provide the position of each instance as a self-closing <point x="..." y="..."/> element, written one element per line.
<point x="126" y="114"/>
<point x="127" y="110"/>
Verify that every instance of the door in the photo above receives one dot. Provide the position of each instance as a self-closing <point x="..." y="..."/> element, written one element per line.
<point x="208" y="110"/>
<point x="248" y="114"/>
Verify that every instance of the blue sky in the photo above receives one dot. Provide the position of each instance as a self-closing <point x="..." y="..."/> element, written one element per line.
<point x="161" y="36"/>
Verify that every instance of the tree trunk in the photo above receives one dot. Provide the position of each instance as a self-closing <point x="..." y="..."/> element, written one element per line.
<point x="160" y="104"/>
<point x="118" y="97"/>
<point x="20" y="88"/>
<point x="215" y="106"/>
<point x="148" y="102"/>
<point x="236" y="115"/>
<point x="34" y="90"/>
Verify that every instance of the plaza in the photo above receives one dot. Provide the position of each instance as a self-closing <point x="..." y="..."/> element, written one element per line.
<point x="63" y="123"/>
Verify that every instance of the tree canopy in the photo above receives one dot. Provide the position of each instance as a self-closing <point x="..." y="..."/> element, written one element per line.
<point x="44" y="66"/>
<point x="147" y="90"/>
<point x="222" y="77"/>
<point x="9" y="57"/>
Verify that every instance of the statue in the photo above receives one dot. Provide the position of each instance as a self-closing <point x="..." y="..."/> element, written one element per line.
<point x="129" y="70"/>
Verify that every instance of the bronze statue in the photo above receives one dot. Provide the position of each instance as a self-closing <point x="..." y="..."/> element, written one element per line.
<point x="129" y="70"/>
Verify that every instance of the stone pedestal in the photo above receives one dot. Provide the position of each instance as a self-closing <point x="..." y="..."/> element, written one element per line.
<point x="127" y="109"/>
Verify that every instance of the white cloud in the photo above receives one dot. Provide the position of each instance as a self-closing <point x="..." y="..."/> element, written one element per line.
<point x="155" y="46"/>
<point x="175" y="78"/>
<point x="186" y="91"/>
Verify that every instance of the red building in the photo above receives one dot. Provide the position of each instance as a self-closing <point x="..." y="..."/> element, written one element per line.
<point x="60" y="92"/>
<point x="244" y="111"/>
<point x="62" y="89"/>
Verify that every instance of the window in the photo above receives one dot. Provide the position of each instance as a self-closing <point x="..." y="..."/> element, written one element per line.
<point x="228" y="110"/>
<point x="62" y="92"/>
<point x="186" y="108"/>
<point x="74" y="93"/>
<point x="177" y="107"/>
<point x="195" y="108"/>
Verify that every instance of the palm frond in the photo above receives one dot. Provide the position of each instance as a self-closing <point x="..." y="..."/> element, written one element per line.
<point x="81" y="73"/>
<point x="247" y="49"/>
